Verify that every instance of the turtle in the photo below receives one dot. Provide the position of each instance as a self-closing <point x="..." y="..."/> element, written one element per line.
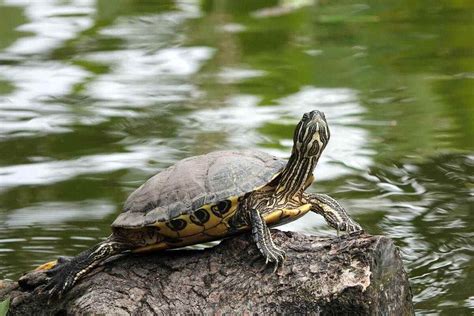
<point x="213" y="196"/>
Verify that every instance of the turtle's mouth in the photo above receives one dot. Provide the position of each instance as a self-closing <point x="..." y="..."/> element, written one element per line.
<point x="314" y="116"/>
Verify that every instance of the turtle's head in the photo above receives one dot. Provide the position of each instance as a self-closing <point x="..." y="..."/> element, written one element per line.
<point x="311" y="135"/>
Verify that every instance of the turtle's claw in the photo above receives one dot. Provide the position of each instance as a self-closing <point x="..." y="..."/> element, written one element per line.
<point x="61" y="280"/>
<point x="276" y="256"/>
<point x="273" y="255"/>
<point x="353" y="227"/>
<point x="348" y="226"/>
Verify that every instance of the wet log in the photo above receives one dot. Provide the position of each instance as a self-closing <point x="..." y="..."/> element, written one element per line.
<point x="352" y="274"/>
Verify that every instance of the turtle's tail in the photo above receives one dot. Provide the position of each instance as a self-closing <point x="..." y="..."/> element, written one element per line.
<point x="66" y="273"/>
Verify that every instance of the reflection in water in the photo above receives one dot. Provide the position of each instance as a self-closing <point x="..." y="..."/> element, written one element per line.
<point x="430" y="216"/>
<point x="96" y="96"/>
<point x="58" y="212"/>
<point x="42" y="173"/>
<point x="341" y="109"/>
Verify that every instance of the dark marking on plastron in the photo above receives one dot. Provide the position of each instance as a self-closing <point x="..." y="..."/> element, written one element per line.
<point x="176" y="224"/>
<point x="200" y="217"/>
<point x="221" y="208"/>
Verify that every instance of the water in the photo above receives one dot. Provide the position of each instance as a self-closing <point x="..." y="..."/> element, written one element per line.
<point x="96" y="96"/>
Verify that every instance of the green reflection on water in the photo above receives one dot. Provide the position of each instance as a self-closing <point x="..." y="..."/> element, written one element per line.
<point x="408" y="67"/>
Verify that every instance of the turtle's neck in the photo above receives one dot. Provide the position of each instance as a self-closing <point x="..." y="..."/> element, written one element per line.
<point x="294" y="177"/>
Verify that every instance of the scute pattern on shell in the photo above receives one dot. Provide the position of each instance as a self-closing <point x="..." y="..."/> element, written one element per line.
<point x="197" y="181"/>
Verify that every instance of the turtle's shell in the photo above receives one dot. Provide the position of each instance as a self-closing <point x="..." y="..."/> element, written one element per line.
<point x="197" y="181"/>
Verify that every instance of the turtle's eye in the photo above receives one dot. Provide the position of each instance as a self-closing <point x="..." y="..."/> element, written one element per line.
<point x="305" y="117"/>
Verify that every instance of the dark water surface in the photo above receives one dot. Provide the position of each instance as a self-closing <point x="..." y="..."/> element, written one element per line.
<point x="96" y="96"/>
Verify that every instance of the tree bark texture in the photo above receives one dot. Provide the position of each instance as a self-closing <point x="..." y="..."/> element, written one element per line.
<point x="352" y="274"/>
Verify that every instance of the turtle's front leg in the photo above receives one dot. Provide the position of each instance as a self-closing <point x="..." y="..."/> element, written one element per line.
<point x="334" y="214"/>
<point x="263" y="239"/>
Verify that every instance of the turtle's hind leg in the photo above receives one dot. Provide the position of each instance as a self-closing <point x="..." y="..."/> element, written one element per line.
<point x="66" y="274"/>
